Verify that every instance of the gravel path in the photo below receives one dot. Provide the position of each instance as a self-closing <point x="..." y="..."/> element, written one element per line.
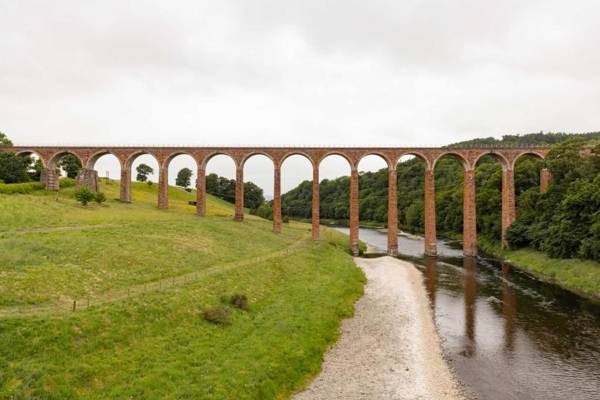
<point x="389" y="349"/>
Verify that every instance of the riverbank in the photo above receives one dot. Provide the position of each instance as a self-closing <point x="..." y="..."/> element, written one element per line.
<point x="390" y="348"/>
<point x="578" y="276"/>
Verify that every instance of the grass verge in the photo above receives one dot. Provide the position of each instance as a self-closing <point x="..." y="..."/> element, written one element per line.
<point x="578" y="276"/>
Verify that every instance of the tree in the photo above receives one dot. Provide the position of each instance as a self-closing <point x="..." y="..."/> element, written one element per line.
<point x="13" y="168"/>
<point x="143" y="171"/>
<point x="70" y="164"/>
<point x="5" y="141"/>
<point x="253" y="195"/>
<point x="35" y="170"/>
<point x="183" y="177"/>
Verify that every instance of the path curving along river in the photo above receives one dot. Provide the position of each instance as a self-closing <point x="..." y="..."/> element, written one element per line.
<point x="507" y="335"/>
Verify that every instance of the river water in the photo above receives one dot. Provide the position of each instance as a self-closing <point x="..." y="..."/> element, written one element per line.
<point x="506" y="334"/>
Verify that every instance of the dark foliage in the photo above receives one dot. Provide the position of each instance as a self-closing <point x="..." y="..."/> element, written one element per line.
<point x="143" y="170"/>
<point x="70" y="164"/>
<point x="218" y="315"/>
<point x="239" y="301"/>
<point x="184" y="177"/>
<point x="224" y="188"/>
<point x="14" y="169"/>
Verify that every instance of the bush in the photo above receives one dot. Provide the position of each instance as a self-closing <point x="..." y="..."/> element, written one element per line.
<point x="22" y="188"/>
<point x="240" y="301"/>
<point x="84" y="195"/>
<point x="100" y="198"/>
<point x="518" y="235"/>
<point x="66" y="182"/>
<point x="218" y="315"/>
<point x="237" y="300"/>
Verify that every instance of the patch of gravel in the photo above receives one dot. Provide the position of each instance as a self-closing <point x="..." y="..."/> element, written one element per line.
<point x="390" y="348"/>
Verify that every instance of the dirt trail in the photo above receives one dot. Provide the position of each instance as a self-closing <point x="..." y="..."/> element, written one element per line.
<point x="389" y="349"/>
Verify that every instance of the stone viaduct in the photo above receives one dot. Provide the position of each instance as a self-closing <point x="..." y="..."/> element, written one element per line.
<point x="506" y="156"/>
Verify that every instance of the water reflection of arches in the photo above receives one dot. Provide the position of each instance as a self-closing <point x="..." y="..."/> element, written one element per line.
<point x="470" y="289"/>
<point x="431" y="278"/>
<point x="509" y="309"/>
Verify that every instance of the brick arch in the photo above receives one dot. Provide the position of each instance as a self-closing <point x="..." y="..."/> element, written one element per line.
<point x="251" y="154"/>
<point x="29" y="152"/>
<point x="297" y="153"/>
<point x="57" y="155"/>
<point x="534" y="153"/>
<point x="383" y="156"/>
<point x="416" y="154"/>
<point x="457" y="155"/>
<point x="210" y="156"/>
<point x="96" y="156"/>
<point x="167" y="161"/>
<point x="133" y="156"/>
<point x="501" y="158"/>
<point x="351" y="163"/>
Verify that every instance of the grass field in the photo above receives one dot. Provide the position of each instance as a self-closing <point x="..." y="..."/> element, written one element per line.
<point x="148" y="274"/>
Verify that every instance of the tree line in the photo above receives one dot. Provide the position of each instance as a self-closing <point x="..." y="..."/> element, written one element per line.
<point x="564" y="222"/>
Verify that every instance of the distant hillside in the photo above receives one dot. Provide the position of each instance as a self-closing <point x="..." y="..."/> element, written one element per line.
<point x="529" y="139"/>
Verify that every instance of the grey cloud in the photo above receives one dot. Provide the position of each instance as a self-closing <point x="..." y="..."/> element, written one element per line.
<point x="296" y="72"/>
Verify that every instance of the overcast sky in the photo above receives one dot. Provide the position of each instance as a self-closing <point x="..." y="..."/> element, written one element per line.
<point x="269" y="72"/>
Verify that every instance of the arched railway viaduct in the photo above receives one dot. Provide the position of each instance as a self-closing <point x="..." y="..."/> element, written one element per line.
<point x="49" y="156"/>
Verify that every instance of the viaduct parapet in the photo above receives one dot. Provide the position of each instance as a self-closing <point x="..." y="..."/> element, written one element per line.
<point x="506" y="156"/>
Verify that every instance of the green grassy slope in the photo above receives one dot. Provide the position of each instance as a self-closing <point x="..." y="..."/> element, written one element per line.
<point x="148" y="274"/>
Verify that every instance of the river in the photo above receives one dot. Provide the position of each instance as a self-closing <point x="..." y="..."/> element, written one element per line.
<point x="507" y="335"/>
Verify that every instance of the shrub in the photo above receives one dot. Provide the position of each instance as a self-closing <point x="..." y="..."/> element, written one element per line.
<point x="66" y="182"/>
<point x="518" y="235"/>
<point x="100" y="198"/>
<point x="239" y="301"/>
<point x="22" y="188"/>
<point x="218" y="315"/>
<point x="84" y="195"/>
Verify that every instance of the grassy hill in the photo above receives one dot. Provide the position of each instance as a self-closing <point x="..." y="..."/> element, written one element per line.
<point x="140" y="278"/>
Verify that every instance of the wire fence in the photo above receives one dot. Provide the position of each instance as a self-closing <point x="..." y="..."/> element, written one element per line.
<point x="161" y="285"/>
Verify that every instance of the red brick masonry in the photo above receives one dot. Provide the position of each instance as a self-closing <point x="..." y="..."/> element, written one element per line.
<point x="88" y="156"/>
